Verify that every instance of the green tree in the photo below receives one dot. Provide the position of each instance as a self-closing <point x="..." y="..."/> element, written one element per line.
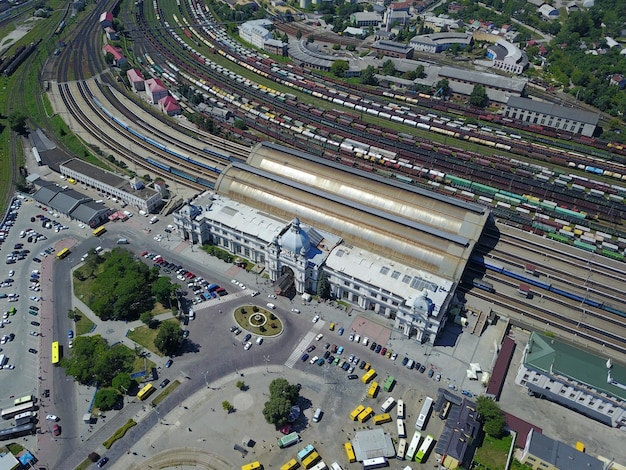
<point x="479" y="96"/>
<point x="240" y="384"/>
<point x="106" y="398"/>
<point x="339" y="68"/>
<point x="298" y="34"/>
<point x="162" y="289"/>
<point x="123" y="383"/>
<point x="491" y="415"/>
<point x="276" y="411"/>
<point x="368" y="76"/>
<point x="227" y="406"/>
<point x="442" y="87"/>
<point x="146" y="318"/>
<point x="17" y="122"/>
<point x="93" y="361"/>
<point x="388" y="68"/>
<point x="282" y="388"/>
<point x="169" y="338"/>
<point x="240" y="124"/>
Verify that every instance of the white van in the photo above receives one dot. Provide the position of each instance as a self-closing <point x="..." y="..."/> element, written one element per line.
<point x="409" y="365"/>
<point x="317" y="416"/>
<point x="154" y="220"/>
<point x="366" y="341"/>
<point x="122" y="241"/>
<point x="98" y="249"/>
<point x="191" y="314"/>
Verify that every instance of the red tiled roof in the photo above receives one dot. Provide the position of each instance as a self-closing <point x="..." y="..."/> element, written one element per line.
<point x="155" y="84"/>
<point x="135" y="75"/>
<point x="117" y="53"/>
<point x="169" y="104"/>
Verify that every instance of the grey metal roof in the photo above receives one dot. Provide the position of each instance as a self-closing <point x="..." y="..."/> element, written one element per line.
<point x="516" y="85"/>
<point x="371" y="444"/>
<point x="89" y="211"/>
<point x="45" y="194"/>
<point x="551" y="109"/>
<point x="415" y="227"/>
<point x="559" y="454"/>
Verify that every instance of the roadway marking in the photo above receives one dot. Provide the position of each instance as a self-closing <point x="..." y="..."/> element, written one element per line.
<point x="303" y="344"/>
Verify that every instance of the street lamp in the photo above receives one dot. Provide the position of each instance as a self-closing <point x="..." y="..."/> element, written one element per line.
<point x="267" y="360"/>
<point x="206" y="382"/>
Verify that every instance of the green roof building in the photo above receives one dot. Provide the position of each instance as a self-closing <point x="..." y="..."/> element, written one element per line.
<point x="577" y="379"/>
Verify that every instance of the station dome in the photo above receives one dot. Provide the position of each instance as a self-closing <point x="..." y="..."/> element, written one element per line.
<point x="295" y="239"/>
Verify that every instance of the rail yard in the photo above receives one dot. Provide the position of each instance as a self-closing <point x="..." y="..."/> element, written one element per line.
<point x="548" y="194"/>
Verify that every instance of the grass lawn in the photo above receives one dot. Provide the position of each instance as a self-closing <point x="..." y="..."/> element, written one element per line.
<point x="163" y="395"/>
<point x="247" y="321"/>
<point x="83" y="324"/>
<point x="145" y="336"/>
<point x="493" y="452"/>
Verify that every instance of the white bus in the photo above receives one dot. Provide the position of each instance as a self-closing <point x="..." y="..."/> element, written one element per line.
<point x="413" y="446"/>
<point x="401" y="429"/>
<point x="389" y="402"/>
<point x="401" y="449"/>
<point x="378" y="462"/>
<point x="400" y="409"/>
<point x="420" y="424"/>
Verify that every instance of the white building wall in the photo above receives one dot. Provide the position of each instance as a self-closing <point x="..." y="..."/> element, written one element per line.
<point x="143" y="204"/>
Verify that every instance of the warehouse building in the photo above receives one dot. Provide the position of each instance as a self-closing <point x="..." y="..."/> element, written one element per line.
<point x="552" y="115"/>
<point x="317" y="227"/>
<point x="544" y="453"/>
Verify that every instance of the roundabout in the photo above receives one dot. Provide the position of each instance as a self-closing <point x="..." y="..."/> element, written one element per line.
<point x="258" y="320"/>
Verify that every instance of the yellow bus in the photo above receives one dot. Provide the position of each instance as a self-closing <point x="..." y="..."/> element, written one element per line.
<point x="63" y="253"/>
<point x="252" y="466"/>
<point x="291" y="465"/>
<point x="373" y="391"/>
<point x="56" y="353"/>
<point x="146" y="391"/>
<point x="349" y="452"/>
<point x="369" y="375"/>
<point x="365" y="414"/>
<point x="311" y="460"/>
<point x="381" y="419"/>
<point x="21" y="401"/>
<point x="99" y="231"/>
<point x="356" y="412"/>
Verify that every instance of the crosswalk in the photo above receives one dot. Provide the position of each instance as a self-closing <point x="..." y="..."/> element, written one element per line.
<point x="303" y="344"/>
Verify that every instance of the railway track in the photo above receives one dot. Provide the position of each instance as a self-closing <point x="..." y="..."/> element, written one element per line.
<point x="117" y="145"/>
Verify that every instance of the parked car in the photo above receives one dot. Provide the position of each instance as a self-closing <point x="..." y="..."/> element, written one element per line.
<point x="56" y="430"/>
<point x="340" y="331"/>
<point x="52" y="418"/>
<point x="315" y="318"/>
<point x="431" y="373"/>
<point x="169" y="363"/>
<point x="353" y="377"/>
<point x="304" y="357"/>
<point x="310" y="348"/>
<point x="164" y="383"/>
<point x="102" y="462"/>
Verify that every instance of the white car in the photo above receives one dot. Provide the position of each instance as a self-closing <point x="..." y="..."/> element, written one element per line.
<point x="271" y="305"/>
<point x="234" y="281"/>
<point x="70" y="344"/>
<point x="319" y="336"/>
<point x="271" y="296"/>
<point x="52" y="418"/>
<point x="394" y="356"/>
<point x="8" y="366"/>
<point x="313" y="359"/>
<point x="34" y="333"/>
<point x="315" y="318"/>
<point x="11" y="273"/>
<point x="295" y="310"/>
<point x="247" y="346"/>
<point x="351" y="337"/>
<point x="254" y="293"/>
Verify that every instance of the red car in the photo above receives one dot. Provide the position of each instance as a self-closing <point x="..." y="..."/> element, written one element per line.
<point x="143" y="254"/>
<point x="56" y="430"/>
<point x="383" y="351"/>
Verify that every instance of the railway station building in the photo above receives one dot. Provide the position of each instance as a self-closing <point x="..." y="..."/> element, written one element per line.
<point x="577" y="379"/>
<point x="317" y="227"/>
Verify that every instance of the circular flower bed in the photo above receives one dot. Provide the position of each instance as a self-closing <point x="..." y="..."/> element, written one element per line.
<point x="258" y="320"/>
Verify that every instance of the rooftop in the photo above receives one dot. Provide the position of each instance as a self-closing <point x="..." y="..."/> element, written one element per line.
<point x="487" y="79"/>
<point x="371" y="444"/>
<point x="106" y="177"/>
<point x="559" y="454"/>
<point x="554" y="357"/>
<point x="551" y="109"/>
